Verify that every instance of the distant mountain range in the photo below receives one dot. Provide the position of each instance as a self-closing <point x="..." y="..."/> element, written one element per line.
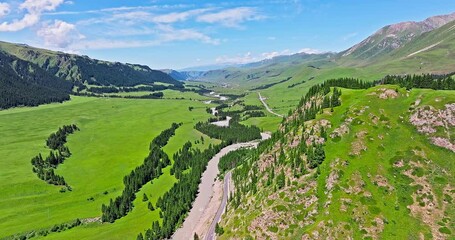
<point x="406" y="47"/>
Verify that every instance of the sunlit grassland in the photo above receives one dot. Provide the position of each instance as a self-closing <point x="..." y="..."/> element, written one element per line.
<point x="114" y="139"/>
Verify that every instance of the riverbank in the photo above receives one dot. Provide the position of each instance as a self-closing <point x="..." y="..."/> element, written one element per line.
<point x="208" y="199"/>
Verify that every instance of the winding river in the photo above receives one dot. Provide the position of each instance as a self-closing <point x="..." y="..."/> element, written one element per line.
<point x="206" y="189"/>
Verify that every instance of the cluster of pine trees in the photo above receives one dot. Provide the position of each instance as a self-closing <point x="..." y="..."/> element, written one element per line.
<point x="189" y="164"/>
<point x="148" y="88"/>
<point x="235" y="132"/>
<point x="57" y="140"/>
<point x="436" y="82"/>
<point x="233" y="159"/>
<point x="246" y="177"/>
<point x="44" y="168"/>
<point x="271" y="84"/>
<point x="150" y="169"/>
<point x="250" y="114"/>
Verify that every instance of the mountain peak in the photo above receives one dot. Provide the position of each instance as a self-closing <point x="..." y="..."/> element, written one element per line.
<point x="396" y="35"/>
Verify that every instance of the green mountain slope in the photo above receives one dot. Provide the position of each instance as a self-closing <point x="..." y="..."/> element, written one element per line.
<point x="431" y="52"/>
<point x="83" y="69"/>
<point x="384" y="171"/>
<point x="23" y="83"/>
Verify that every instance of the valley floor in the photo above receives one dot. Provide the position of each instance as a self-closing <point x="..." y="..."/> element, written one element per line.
<point x="113" y="139"/>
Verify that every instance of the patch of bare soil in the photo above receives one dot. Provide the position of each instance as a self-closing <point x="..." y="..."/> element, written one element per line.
<point x="425" y="206"/>
<point x="261" y="224"/>
<point x="345" y="203"/>
<point x="385" y="93"/>
<point x="428" y="120"/>
<point x="443" y="142"/>
<point x="312" y="133"/>
<point x="374" y="119"/>
<point x="342" y="130"/>
<point x="356" y="184"/>
<point x="358" y="145"/>
<point x="376" y="228"/>
<point x="327" y="230"/>
<point x="381" y="181"/>
<point x="91" y="220"/>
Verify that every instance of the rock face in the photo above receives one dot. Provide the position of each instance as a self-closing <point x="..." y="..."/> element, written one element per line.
<point x="394" y="36"/>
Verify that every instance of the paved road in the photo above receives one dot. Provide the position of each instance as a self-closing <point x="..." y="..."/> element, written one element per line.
<point x="267" y="106"/>
<point x="211" y="233"/>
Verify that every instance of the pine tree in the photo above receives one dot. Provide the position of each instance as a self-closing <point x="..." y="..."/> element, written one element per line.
<point x="145" y="198"/>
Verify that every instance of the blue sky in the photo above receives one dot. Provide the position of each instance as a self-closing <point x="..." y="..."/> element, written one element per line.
<point x="177" y="34"/>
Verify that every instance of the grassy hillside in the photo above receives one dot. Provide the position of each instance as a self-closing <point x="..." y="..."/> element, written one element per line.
<point x="113" y="139"/>
<point x="83" y="69"/>
<point x="380" y="173"/>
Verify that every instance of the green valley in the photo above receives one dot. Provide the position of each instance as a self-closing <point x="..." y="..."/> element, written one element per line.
<point x="354" y="142"/>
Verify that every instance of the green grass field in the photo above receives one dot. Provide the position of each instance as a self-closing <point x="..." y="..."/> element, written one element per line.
<point x="114" y="139"/>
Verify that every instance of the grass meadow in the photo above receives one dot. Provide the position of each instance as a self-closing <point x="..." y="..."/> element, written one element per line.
<point x="114" y="139"/>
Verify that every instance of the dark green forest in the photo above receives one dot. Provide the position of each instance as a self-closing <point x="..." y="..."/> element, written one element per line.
<point x="25" y="84"/>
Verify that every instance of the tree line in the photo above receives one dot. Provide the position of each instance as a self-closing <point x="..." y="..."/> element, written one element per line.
<point x="235" y="132"/>
<point x="44" y="167"/>
<point x="233" y="159"/>
<point x="189" y="164"/>
<point x="271" y="84"/>
<point x="148" y="88"/>
<point x="436" y="82"/>
<point x="150" y="169"/>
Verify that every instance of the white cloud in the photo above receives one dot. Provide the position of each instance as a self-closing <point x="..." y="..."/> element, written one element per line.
<point x="4" y="9"/>
<point x="270" y="55"/>
<point x="249" y="57"/>
<point x="34" y="9"/>
<point x="178" y="16"/>
<point x="111" y="44"/>
<point x="164" y="34"/>
<point x="310" y="51"/>
<point x="59" y="34"/>
<point x="231" y="17"/>
<point x="132" y="17"/>
<point x="169" y="34"/>
<point x="239" y="59"/>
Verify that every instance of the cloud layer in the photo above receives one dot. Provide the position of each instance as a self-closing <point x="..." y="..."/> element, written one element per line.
<point x="59" y="34"/>
<point x="33" y="10"/>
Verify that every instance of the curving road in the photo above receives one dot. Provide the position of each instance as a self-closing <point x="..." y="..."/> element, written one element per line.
<point x="267" y="106"/>
<point x="211" y="233"/>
